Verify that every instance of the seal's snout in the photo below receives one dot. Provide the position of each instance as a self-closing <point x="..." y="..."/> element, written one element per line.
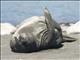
<point x="13" y="42"/>
<point x="12" y="45"/>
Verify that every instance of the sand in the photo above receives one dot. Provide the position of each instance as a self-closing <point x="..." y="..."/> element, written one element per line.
<point x="69" y="51"/>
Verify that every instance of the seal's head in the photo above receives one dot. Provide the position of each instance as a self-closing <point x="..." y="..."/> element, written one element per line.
<point x="22" y="43"/>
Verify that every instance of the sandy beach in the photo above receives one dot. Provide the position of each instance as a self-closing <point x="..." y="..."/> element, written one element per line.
<point x="69" y="51"/>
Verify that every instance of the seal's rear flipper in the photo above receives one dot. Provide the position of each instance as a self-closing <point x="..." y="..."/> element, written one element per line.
<point x="68" y="39"/>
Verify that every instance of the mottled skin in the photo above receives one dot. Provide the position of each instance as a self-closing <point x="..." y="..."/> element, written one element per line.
<point x="39" y="33"/>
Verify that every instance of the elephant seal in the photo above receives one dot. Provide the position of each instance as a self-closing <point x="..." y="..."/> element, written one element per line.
<point x="37" y="33"/>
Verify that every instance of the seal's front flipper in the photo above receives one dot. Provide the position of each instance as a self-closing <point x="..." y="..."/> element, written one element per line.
<point x="48" y="19"/>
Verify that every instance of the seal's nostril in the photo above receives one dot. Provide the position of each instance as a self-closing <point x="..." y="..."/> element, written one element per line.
<point x="15" y="38"/>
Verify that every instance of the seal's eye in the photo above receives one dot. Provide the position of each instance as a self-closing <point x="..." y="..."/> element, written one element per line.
<point x="22" y="37"/>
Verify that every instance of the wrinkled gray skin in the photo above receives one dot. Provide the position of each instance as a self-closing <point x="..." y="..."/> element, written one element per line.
<point x="39" y="33"/>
